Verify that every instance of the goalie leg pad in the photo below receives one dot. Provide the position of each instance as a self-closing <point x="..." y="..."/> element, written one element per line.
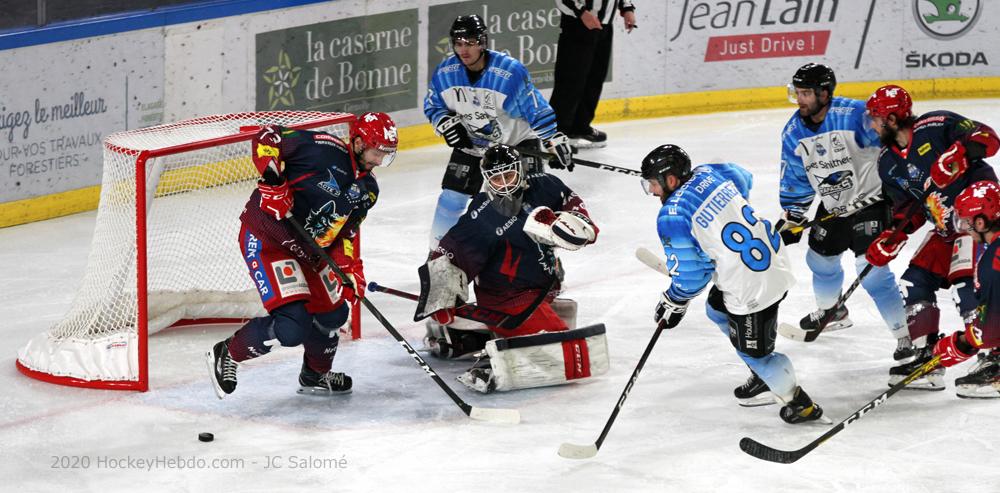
<point x="565" y="308"/>
<point x="553" y="358"/>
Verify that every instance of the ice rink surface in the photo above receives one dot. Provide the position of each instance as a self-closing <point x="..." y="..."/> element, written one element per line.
<point x="678" y="431"/>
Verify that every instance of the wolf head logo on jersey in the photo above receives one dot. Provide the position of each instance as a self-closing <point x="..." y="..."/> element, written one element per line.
<point x="836" y="183"/>
<point x="324" y="224"/>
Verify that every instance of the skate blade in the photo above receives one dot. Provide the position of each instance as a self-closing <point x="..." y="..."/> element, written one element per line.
<point x="321" y="392"/>
<point x="977" y="392"/>
<point x="764" y="399"/>
<point x="841" y="325"/>
<point x="210" y="359"/>
<point x="933" y="384"/>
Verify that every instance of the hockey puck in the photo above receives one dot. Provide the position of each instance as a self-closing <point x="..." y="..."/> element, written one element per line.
<point x="205" y="437"/>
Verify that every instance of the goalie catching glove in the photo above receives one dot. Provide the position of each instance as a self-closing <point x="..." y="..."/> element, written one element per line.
<point x="563" y="229"/>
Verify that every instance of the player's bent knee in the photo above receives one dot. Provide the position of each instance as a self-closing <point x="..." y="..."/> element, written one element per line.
<point x="291" y="323"/>
<point x="330" y="322"/>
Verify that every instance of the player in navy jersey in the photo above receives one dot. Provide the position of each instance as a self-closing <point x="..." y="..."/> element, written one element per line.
<point x="977" y="212"/>
<point x="506" y="244"/>
<point x="829" y="149"/>
<point x="478" y="97"/>
<point x="710" y="232"/>
<point x="328" y="186"/>
<point x="925" y="163"/>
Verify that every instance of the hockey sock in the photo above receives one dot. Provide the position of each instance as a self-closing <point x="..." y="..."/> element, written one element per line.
<point x="450" y="206"/>
<point x="776" y="371"/>
<point x="880" y="284"/>
<point x="828" y="278"/>
<point x="320" y="349"/>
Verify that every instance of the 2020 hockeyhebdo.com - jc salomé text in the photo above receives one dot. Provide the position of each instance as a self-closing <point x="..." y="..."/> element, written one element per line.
<point x="192" y="462"/>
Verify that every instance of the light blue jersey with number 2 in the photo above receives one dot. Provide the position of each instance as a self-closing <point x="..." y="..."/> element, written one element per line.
<point x="711" y="233"/>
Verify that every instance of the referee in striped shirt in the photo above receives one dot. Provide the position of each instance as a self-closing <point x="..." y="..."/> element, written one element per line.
<point x="584" y="53"/>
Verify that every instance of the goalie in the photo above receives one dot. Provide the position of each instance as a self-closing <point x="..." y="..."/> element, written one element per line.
<point x="506" y="242"/>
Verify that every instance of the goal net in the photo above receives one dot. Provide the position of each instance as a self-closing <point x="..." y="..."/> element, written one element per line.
<point x="165" y="249"/>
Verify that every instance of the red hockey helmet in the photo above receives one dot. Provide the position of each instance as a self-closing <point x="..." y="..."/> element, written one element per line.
<point x="982" y="198"/>
<point x="890" y="100"/>
<point x="377" y="131"/>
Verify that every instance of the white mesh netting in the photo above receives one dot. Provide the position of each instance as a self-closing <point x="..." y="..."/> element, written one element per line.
<point x="194" y="266"/>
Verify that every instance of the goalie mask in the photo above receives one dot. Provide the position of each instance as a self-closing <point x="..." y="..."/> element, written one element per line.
<point x="503" y="173"/>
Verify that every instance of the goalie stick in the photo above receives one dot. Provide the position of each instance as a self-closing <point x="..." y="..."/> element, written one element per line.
<point x="475" y="313"/>
<point x="763" y="452"/>
<point x="495" y="415"/>
<point x="574" y="451"/>
<point x="582" y="162"/>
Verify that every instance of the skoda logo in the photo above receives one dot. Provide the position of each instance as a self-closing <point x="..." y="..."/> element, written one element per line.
<point x="946" y="19"/>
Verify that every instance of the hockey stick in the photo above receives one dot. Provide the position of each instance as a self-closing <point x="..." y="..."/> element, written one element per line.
<point x="799" y="334"/>
<point x="475" y="313"/>
<point x="651" y="260"/>
<point x="510" y="416"/>
<point x="763" y="452"/>
<point x="572" y="451"/>
<point x="582" y="162"/>
<point x="854" y="206"/>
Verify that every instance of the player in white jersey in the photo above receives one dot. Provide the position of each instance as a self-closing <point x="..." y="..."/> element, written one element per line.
<point x="828" y="148"/>
<point x="711" y="233"/>
<point x="477" y="98"/>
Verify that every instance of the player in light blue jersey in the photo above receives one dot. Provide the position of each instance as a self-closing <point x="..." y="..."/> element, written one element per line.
<point x="477" y="98"/>
<point x="827" y="147"/>
<point x="711" y="233"/>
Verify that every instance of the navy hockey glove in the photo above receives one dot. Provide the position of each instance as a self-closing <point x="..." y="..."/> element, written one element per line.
<point x="558" y="145"/>
<point x="455" y="134"/>
<point x="790" y="219"/>
<point x="669" y="312"/>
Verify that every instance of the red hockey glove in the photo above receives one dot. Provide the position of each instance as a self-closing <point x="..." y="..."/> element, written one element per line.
<point x="949" y="166"/>
<point x="947" y="348"/>
<point x="275" y="199"/>
<point x="356" y="275"/>
<point x="444" y="316"/>
<point x="885" y="248"/>
<point x="266" y="151"/>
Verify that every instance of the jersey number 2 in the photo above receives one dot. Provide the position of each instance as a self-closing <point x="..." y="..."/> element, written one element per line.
<point x="754" y="252"/>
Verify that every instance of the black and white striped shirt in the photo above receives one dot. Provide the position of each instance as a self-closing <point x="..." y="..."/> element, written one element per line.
<point x="603" y="9"/>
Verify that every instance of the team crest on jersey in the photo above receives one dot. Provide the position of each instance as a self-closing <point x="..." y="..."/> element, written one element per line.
<point x="938" y="211"/>
<point x="324" y="224"/>
<point x="820" y="149"/>
<point x="491" y="131"/>
<point x="836" y="183"/>
<point x="838" y="143"/>
<point x="330" y="186"/>
<point x="913" y="171"/>
<point x="290" y="279"/>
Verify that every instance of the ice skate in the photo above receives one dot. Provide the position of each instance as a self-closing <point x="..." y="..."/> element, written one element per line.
<point x="329" y="383"/>
<point x="983" y="379"/>
<point x="479" y="377"/>
<point x="933" y="380"/>
<point x="802" y="409"/>
<point x="904" y="349"/>
<point x="222" y="369"/>
<point x="840" y="321"/>
<point x="754" y="392"/>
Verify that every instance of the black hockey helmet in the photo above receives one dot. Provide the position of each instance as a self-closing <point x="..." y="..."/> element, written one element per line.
<point x="496" y="166"/>
<point x="815" y="76"/>
<point x="469" y="27"/>
<point x="667" y="159"/>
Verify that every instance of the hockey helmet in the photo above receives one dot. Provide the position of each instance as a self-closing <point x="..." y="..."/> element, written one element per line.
<point x="377" y="131"/>
<point x="982" y="198"/>
<point x="815" y="76"/>
<point x="890" y="100"/>
<point x="667" y="159"/>
<point x="470" y="28"/>
<point x="502" y="171"/>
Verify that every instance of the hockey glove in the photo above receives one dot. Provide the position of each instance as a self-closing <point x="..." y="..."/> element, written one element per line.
<point x="276" y="200"/>
<point x="669" y="312"/>
<point x="455" y="134"/>
<point x="885" y="248"/>
<point x="949" y="166"/>
<point x="790" y="219"/>
<point x="558" y="145"/>
<point x="356" y="274"/>
<point x="266" y="151"/>
<point x="948" y="348"/>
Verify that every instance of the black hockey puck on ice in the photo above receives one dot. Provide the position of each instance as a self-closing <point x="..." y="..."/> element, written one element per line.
<point x="206" y="437"/>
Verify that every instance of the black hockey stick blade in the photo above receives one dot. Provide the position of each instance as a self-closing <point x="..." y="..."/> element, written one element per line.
<point x="770" y="454"/>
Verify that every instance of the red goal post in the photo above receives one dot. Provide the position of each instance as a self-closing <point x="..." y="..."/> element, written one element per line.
<point x="165" y="250"/>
